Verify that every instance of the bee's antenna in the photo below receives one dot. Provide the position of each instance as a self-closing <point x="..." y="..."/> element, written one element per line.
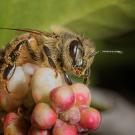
<point x="106" y="51"/>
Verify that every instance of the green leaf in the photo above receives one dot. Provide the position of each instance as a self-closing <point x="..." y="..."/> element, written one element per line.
<point x="94" y="18"/>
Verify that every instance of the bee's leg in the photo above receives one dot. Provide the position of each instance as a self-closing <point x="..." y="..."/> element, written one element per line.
<point x="33" y="54"/>
<point x="48" y="54"/>
<point x="86" y="77"/>
<point x="15" y="53"/>
<point x="67" y="79"/>
<point x="51" y="62"/>
<point x="9" y="71"/>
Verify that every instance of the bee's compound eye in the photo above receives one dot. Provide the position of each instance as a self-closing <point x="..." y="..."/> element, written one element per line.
<point x="9" y="71"/>
<point x="73" y="48"/>
<point x="76" y="52"/>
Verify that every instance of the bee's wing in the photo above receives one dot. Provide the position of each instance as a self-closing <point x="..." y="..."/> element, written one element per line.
<point x="34" y="31"/>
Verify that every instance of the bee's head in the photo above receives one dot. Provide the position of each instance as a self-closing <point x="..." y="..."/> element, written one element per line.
<point x="78" y="58"/>
<point x="79" y="53"/>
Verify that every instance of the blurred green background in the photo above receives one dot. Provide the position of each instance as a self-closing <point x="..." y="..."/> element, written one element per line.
<point x="109" y="23"/>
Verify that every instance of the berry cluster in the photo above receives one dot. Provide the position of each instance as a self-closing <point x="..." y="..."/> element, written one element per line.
<point x="49" y="107"/>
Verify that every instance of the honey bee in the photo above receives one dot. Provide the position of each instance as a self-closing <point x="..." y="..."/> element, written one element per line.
<point x="64" y="52"/>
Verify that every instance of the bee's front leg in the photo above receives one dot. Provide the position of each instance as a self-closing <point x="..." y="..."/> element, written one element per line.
<point x="87" y="77"/>
<point x="48" y="54"/>
<point x="51" y="62"/>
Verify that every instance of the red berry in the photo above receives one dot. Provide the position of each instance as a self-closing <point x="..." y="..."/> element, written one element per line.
<point x="90" y="118"/>
<point x="43" y="117"/>
<point x="62" y="128"/>
<point x="82" y="94"/>
<point x="62" y="98"/>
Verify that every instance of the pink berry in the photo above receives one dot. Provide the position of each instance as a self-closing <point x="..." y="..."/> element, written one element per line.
<point x="43" y="116"/>
<point x="82" y="94"/>
<point x="62" y="98"/>
<point x="72" y="115"/>
<point x="90" y="118"/>
<point x="36" y="131"/>
<point x="62" y="128"/>
<point x="14" y="125"/>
